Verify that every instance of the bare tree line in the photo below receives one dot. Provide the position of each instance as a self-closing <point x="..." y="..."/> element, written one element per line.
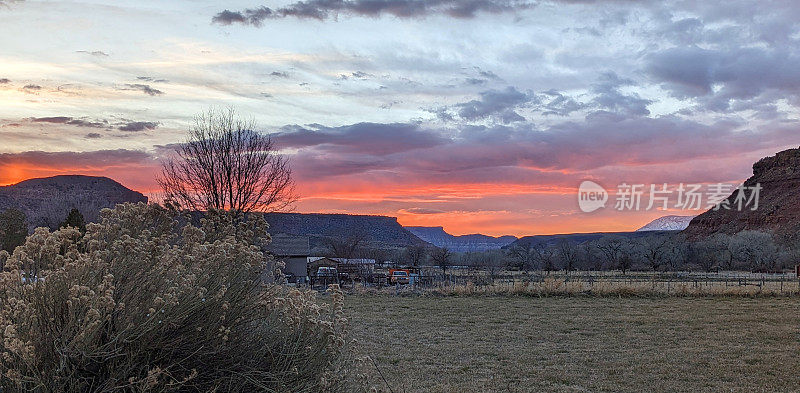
<point x="746" y="251"/>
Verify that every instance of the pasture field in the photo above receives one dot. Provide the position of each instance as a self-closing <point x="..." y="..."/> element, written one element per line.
<point x="579" y="344"/>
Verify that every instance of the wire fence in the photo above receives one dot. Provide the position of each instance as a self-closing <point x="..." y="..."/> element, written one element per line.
<point x="589" y="282"/>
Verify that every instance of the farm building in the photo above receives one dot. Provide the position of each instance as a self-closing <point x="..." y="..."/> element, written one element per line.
<point x="293" y="251"/>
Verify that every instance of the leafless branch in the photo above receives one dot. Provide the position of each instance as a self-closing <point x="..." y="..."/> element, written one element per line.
<point x="225" y="164"/>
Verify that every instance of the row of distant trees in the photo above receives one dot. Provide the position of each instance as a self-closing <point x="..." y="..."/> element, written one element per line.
<point x="746" y="251"/>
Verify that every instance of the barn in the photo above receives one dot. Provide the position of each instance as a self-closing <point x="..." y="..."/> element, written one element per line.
<point x="293" y="251"/>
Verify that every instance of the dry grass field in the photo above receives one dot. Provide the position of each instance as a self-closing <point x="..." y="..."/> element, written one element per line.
<point x="579" y="344"/>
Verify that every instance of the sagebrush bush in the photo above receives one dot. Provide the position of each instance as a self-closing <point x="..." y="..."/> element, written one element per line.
<point x="145" y="301"/>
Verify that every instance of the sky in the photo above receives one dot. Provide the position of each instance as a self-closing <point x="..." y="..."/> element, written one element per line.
<point x="482" y="116"/>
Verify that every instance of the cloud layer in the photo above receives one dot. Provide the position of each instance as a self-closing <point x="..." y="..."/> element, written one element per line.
<point x="480" y="115"/>
<point x="328" y="9"/>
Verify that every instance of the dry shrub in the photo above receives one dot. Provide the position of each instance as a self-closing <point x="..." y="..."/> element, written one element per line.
<point x="147" y="302"/>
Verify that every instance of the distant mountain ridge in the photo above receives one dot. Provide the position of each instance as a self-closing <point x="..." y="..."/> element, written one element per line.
<point x="667" y="223"/>
<point x="47" y="201"/>
<point x="463" y="243"/>
<point x="374" y="231"/>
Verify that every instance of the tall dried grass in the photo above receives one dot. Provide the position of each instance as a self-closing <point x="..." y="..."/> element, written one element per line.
<point x="604" y="288"/>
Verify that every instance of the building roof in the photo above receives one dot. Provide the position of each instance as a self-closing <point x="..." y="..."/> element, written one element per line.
<point x="345" y="260"/>
<point x="284" y="245"/>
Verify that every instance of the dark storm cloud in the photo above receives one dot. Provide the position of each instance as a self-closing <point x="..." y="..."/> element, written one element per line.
<point x="356" y="75"/>
<point x="88" y="123"/>
<point x="502" y="106"/>
<point x="608" y="96"/>
<point x="389" y="105"/>
<point x="715" y="77"/>
<point x="60" y="159"/>
<point x="372" y="138"/>
<point x="4" y="81"/>
<point x="151" y="79"/>
<point x="32" y="87"/>
<point x="83" y="122"/>
<point x="361" y="75"/>
<point x="327" y="9"/>
<point x="55" y="119"/>
<point x="559" y="104"/>
<point x="146" y="89"/>
<point x="489" y="75"/>
<point x="137" y="126"/>
<point x="686" y="72"/>
<point x="97" y="53"/>
<point x="685" y="31"/>
<point x="470" y="153"/>
<point x="251" y="16"/>
<point x="497" y="104"/>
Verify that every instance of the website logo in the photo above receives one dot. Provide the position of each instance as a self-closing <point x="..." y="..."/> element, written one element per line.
<point x="591" y="196"/>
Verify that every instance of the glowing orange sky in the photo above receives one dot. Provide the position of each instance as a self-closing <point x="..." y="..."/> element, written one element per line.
<point x="493" y="222"/>
<point x="461" y="207"/>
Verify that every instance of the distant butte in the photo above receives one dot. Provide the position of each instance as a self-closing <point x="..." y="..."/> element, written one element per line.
<point x="47" y="201"/>
<point x="778" y="205"/>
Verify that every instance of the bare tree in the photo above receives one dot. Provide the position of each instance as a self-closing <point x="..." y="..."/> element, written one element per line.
<point x="587" y="258"/>
<point x="654" y="250"/>
<point x="546" y="256"/>
<point x="594" y="258"/>
<point x="344" y="247"/>
<point x="415" y="255"/>
<point x="490" y="261"/>
<point x="758" y="250"/>
<point x="225" y="164"/>
<point x="523" y="256"/>
<point x="376" y="253"/>
<point x="723" y="244"/>
<point x="625" y="261"/>
<point x="441" y="258"/>
<point x="712" y="253"/>
<point x="568" y="253"/>
<point x="615" y="251"/>
<point x="678" y="252"/>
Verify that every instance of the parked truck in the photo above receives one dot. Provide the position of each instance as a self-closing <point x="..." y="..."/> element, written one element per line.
<point x="399" y="276"/>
